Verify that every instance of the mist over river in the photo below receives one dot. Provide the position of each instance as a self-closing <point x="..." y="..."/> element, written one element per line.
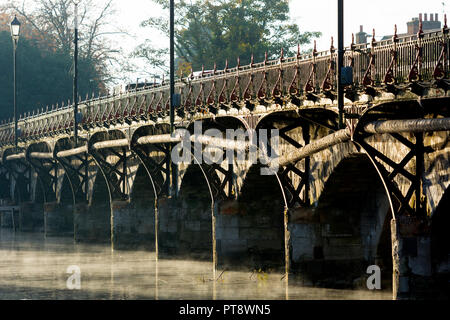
<point x="35" y="267"/>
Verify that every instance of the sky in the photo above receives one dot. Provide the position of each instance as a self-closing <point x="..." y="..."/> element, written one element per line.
<point x="316" y="15"/>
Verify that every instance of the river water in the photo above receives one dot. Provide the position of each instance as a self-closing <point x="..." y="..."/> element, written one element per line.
<point x="35" y="267"/>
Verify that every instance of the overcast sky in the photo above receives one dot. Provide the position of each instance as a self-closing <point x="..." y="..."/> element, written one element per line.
<point x="310" y="15"/>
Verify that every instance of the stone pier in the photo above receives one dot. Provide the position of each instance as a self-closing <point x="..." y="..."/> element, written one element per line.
<point x="58" y="219"/>
<point x="133" y="226"/>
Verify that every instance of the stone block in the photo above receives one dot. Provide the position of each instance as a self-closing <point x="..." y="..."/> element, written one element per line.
<point x="192" y="225"/>
<point x="245" y="221"/>
<point x="228" y="233"/>
<point x="227" y="221"/>
<point x="304" y="215"/>
<point x="229" y="208"/>
<point x="259" y="233"/>
<point x="266" y="244"/>
<point x="421" y="264"/>
<point x="172" y="227"/>
<point x="234" y="246"/>
<point x="302" y="249"/>
<point x="302" y="230"/>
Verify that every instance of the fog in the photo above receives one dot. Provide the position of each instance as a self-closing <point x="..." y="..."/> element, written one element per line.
<point x="32" y="267"/>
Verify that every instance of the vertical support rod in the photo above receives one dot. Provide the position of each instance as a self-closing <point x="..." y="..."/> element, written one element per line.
<point x="230" y="179"/>
<point x="172" y="64"/>
<point x="173" y="169"/>
<point x="340" y="62"/>
<point x="286" y="249"/>
<point x="75" y="76"/>
<point x="156" y="230"/>
<point x="419" y="171"/>
<point x="86" y="177"/>
<point x="395" y="259"/>
<point x="307" y="138"/>
<point x="15" y="91"/>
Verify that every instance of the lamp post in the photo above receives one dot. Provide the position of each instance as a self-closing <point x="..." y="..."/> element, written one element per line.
<point x="75" y="73"/>
<point x="15" y="31"/>
<point x="173" y="181"/>
<point x="340" y="62"/>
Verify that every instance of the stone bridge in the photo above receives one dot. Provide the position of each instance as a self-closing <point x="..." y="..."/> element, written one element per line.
<point x="374" y="191"/>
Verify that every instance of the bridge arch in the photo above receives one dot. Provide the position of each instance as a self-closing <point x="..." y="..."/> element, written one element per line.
<point x="194" y="218"/>
<point x="348" y="230"/>
<point x="93" y="222"/>
<point x="141" y="212"/>
<point x="250" y="232"/>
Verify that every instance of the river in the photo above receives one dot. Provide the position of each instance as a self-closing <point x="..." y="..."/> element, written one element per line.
<point x="35" y="267"/>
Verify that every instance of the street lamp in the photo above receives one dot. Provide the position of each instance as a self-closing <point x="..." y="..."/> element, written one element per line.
<point x="173" y="181"/>
<point x="15" y="31"/>
<point x="75" y="73"/>
<point x="340" y="62"/>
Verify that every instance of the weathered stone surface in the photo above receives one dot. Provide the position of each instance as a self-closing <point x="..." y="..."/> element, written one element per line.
<point x="229" y="207"/>
<point x="58" y="219"/>
<point x="31" y="217"/>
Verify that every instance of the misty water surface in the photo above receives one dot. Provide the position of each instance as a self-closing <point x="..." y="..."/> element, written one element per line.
<point x="32" y="267"/>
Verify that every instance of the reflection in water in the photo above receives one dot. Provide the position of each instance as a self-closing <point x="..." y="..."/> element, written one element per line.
<point x="32" y="267"/>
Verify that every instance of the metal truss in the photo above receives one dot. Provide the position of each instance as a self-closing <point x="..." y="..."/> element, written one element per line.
<point x="114" y="174"/>
<point x="47" y="170"/>
<point x="159" y="170"/>
<point x="405" y="204"/>
<point x="78" y="174"/>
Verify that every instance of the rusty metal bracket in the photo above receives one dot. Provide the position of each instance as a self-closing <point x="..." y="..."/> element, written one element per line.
<point x="310" y="86"/>
<point x="294" y="86"/>
<point x="440" y="71"/>
<point x="199" y="101"/>
<point x="248" y="91"/>
<point x="188" y="101"/>
<point x="263" y="87"/>
<point x="389" y="77"/>
<point x="211" y="100"/>
<point x="368" y="80"/>
<point x="328" y="82"/>
<point x="277" y="91"/>
<point x="234" y="95"/>
<point x="414" y="73"/>
<point x="223" y="100"/>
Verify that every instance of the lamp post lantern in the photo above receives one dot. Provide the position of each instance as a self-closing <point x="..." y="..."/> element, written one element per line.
<point x="15" y="32"/>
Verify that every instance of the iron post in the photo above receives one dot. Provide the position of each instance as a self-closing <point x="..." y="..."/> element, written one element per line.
<point x="75" y="74"/>
<point x="173" y="181"/>
<point x="340" y="65"/>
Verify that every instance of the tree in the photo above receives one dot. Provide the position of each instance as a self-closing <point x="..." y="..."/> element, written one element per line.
<point x="51" y="22"/>
<point x="213" y="31"/>
<point x="44" y="77"/>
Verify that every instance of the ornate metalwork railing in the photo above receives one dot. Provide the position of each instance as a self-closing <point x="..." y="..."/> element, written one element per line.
<point x="399" y="60"/>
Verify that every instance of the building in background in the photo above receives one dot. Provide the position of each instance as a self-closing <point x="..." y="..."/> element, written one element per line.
<point x="428" y="25"/>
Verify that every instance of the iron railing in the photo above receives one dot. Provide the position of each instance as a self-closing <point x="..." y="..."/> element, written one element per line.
<point x="312" y="73"/>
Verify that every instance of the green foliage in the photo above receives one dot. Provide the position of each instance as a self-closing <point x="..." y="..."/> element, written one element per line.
<point x="44" y="77"/>
<point x="209" y="31"/>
